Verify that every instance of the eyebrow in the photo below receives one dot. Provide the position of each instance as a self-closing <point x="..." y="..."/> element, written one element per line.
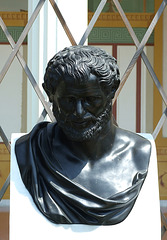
<point x="89" y="90"/>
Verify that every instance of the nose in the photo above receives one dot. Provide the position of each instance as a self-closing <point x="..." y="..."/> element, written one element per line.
<point x="79" y="111"/>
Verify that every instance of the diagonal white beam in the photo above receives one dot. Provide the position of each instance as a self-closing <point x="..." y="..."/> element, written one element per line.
<point x="92" y="22"/>
<point x="27" y="71"/>
<point x="154" y="77"/>
<point x="4" y="138"/>
<point x="160" y="124"/>
<point x="140" y="48"/>
<point x="21" y="39"/>
<point x="148" y="65"/>
<point x="4" y="187"/>
<point x="144" y="57"/>
<point x="44" y="114"/>
<point x="73" y="42"/>
<point x="63" y="22"/>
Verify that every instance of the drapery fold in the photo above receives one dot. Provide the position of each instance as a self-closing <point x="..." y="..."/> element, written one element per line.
<point x="45" y="174"/>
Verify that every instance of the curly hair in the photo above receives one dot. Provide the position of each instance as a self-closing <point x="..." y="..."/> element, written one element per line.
<point x="78" y="62"/>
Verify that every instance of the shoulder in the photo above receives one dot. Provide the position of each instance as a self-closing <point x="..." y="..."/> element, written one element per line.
<point x="133" y="139"/>
<point x="23" y="140"/>
<point x="42" y="126"/>
<point x="138" y="147"/>
<point x="28" y="148"/>
<point x="28" y="141"/>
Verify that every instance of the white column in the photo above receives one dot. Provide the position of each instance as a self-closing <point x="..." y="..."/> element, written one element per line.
<point x="126" y="102"/>
<point x="46" y="38"/>
<point x="147" y="93"/>
<point x="33" y="63"/>
<point x="75" y="14"/>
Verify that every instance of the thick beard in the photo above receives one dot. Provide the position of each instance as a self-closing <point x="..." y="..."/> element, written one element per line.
<point x="87" y="133"/>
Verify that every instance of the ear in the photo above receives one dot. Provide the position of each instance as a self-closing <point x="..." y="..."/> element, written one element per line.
<point x="114" y="88"/>
<point x="113" y="93"/>
<point x="49" y="94"/>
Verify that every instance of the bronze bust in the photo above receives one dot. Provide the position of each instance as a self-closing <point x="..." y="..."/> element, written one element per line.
<point x="83" y="169"/>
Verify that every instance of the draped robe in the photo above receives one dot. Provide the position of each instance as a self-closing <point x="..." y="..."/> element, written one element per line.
<point x="56" y="195"/>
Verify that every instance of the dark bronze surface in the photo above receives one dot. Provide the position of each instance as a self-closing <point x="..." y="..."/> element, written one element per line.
<point x="83" y="169"/>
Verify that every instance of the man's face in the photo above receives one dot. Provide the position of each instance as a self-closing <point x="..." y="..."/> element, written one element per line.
<point x="81" y="108"/>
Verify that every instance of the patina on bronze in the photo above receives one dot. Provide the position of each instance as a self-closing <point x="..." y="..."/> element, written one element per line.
<point x="83" y="169"/>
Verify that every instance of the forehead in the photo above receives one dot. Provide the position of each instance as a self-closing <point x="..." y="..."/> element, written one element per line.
<point x="74" y="86"/>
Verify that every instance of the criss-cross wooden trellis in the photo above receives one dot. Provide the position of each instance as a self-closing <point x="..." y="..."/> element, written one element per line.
<point x="139" y="52"/>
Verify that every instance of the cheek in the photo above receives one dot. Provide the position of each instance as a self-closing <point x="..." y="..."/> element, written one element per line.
<point x="96" y="110"/>
<point x="64" y="106"/>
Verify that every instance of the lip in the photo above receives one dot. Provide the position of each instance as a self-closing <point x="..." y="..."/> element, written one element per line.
<point x="81" y="124"/>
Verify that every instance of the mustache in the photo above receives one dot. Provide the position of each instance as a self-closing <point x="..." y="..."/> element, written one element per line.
<point x="86" y="118"/>
<point x="66" y="118"/>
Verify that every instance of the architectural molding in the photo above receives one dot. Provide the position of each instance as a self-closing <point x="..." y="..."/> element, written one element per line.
<point x="162" y="153"/>
<point x="116" y="35"/>
<point x="18" y="19"/>
<point x="15" y="33"/>
<point x="106" y="19"/>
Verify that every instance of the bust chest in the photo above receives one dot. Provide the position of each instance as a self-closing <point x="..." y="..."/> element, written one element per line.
<point x="107" y="176"/>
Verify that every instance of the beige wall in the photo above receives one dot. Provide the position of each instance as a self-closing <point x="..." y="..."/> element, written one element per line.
<point x="165" y="63"/>
<point x="126" y="106"/>
<point x="13" y="94"/>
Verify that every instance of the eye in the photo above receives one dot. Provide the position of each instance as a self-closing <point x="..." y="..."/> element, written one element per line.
<point x="93" y="100"/>
<point x="70" y="99"/>
<point x="66" y="102"/>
